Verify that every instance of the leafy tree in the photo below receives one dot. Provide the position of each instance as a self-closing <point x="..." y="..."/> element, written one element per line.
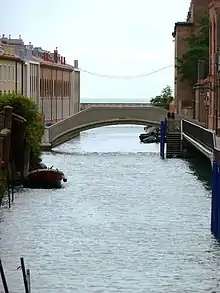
<point x="34" y="129"/>
<point x="197" y="49"/>
<point x="164" y="99"/>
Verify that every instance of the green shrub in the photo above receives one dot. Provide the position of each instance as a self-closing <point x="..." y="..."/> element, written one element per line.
<point x="34" y="129"/>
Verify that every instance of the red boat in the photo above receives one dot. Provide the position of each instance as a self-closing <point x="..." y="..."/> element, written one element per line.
<point x="44" y="178"/>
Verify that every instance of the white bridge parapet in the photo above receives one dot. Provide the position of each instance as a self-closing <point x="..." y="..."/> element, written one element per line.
<point x="118" y="105"/>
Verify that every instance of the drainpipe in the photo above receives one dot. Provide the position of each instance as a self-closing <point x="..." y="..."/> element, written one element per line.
<point x="69" y="92"/>
<point x="22" y="78"/>
<point x="16" y="77"/>
<point x="51" y="98"/>
<point x="56" y="89"/>
<point x="62" y="93"/>
<point x="43" y="92"/>
<point x="201" y="68"/>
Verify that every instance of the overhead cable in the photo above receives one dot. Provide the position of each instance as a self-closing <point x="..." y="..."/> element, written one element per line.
<point x="125" y="76"/>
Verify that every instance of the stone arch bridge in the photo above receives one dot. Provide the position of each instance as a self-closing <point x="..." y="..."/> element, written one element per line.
<point x="98" y="116"/>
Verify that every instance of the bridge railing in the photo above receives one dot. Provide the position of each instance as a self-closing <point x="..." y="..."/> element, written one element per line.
<point x="87" y="105"/>
<point x="202" y="135"/>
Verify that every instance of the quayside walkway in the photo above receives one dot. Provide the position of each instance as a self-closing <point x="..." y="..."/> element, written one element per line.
<point x="101" y="115"/>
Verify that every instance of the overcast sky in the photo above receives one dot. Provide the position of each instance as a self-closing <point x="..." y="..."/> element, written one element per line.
<point x="113" y="37"/>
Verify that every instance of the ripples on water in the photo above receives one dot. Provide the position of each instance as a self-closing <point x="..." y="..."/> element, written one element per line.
<point x="126" y="221"/>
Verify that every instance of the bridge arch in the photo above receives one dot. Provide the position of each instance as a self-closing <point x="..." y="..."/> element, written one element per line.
<point x="94" y="117"/>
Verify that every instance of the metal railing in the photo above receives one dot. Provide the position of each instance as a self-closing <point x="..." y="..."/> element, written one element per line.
<point x="203" y="136"/>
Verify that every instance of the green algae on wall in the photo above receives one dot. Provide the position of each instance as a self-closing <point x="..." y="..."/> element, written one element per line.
<point x="3" y="182"/>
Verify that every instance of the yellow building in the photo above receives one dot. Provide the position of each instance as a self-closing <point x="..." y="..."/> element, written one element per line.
<point x="11" y="70"/>
<point x="43" y="76"/>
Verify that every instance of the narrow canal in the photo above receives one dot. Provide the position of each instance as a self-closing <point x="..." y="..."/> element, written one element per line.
<point x="126" y="221"/>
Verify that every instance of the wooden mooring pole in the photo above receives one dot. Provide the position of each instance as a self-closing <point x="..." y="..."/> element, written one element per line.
<point x="24" y="275"/>
<point x="162" y="139"/>
<point x="29" y="280"/>
<point x="4" y="282"/>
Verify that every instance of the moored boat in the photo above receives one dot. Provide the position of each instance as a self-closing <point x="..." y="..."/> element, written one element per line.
<point x="44" y="178"/>
<point x="150" y="131"/>
<point x="151" y="139"/>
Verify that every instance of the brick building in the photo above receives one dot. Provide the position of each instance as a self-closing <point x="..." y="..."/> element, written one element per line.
<point x="214" y="93"/>
<point x="184" y="93"/>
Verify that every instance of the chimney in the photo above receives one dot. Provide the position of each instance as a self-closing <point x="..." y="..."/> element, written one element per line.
<point x="76" y="64"/>
<point x="55" y="55"/>
<point x="9" y="37"/>
<point x="64" y="60"/>
<point x="19" y="37"/>
<point x="61" y="59"/>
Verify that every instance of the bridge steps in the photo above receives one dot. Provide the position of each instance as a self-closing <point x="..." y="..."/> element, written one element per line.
<point x="174" y="145"/>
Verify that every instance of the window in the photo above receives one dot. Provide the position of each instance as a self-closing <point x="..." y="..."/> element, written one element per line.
<point x="5" y="72"/>
<point x="30" y="81"/>
<point x="69" y="89"/>
<point x="49" y="87"/>
<point x="9" y="72"/>
<point x="33" y="84"/>
<point x="52" y="88"/>
<point x="64" y="88"/>
<point x="13" y="73"/>
<point x="45" y="88"/>
<point x="61" y="88"/>
<point x="41" y="88"/>
<point x="37" y="84"/>
<point x="58" y="88"/>
<point x="0" y="72"/>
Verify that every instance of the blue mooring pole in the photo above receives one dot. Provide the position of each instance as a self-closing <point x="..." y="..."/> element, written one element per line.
<point x="218" y="202"/>
<point x="215" y="208"/>
<point x="162" y="139"/>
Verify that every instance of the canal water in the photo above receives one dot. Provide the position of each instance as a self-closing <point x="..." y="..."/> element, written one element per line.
<point x="126" y="221"/>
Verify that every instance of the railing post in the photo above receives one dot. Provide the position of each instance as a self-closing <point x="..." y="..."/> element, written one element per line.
<point x="215" y="205"/>
<point x="181" y="129"/>
<point x="218" y="202"/>
<point x="162" y="138"/>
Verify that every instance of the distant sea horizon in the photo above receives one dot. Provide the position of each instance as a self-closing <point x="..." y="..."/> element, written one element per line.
<point x="110" y="100"/>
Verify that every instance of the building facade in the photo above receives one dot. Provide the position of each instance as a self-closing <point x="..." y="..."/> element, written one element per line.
<point x="214" y="93"/>
<point x="56" y="88"/>
<point x="11" y="70"/>
<point x="207" y="93"/>
<point x="184" y="92"/>
<point x="48" y="80"/>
